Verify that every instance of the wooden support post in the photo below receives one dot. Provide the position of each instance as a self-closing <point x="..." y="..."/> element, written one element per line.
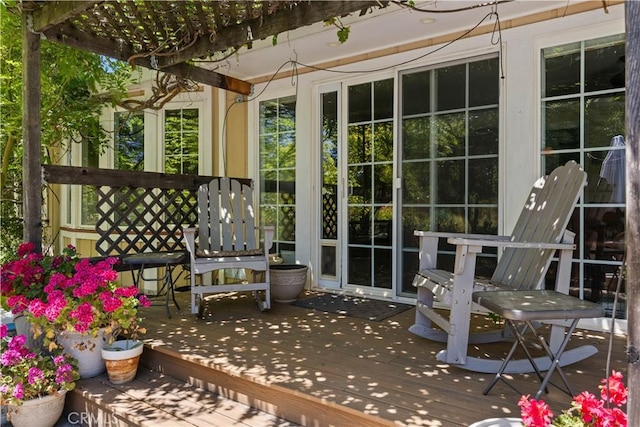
<point x="632" y="62"/>
<point x="32" y="188"/>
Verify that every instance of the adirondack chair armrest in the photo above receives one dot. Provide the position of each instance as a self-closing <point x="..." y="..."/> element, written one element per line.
<point x="509" y="244"/>
<point x="429" y="244"/>
<point x="269" y="231"/>
<point x="447" y="235"/>
<point x="189" y="236"/>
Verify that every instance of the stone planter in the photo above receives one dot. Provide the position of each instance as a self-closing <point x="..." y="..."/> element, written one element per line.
<point x="287" y="281"/>
<point x="86" y="350"/>
<point x="41" y="412"/>
<point x="121" y="359"/>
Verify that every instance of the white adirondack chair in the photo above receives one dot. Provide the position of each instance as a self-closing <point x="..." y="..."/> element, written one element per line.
<point x="528" y="251"/>
<point x="227" y="238"/>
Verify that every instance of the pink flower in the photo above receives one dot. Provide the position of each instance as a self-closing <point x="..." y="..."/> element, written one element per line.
<point x="35" y="375"/>
<point x="535" y="413"/>
<point x="66" y="292"/>
<point x="25" y="248"/>
<point x="111" y="304"/>
<point x="18" y="391"/>
<point x="144" y="300"/>
<point x="131" y="291"/>
<point x="28" y="375"/>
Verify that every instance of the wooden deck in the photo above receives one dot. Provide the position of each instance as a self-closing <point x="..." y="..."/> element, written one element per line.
<point x="316" y="368"/>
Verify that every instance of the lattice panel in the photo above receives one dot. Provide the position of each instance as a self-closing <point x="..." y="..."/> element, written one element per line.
<point x="329" y="216"/>
<point x="133" y="220"/>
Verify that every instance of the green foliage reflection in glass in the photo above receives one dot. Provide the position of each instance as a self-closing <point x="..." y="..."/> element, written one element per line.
<point x="278" y="169"/>
<point x="129" y="141"/>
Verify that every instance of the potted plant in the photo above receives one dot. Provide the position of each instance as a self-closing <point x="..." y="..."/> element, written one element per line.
<point x="23" y="279"/>
<point x="123" y="355"/>
<point x="586" y="409"/>
<point x="121" y="358"/>
<point x="33" y="385"/>
<point x="81" y="306"/>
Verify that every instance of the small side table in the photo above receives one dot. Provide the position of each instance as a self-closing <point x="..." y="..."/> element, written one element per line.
<point x="168" y="260"/>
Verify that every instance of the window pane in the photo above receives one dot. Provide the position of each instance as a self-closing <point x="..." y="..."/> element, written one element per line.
<point x="268" y="117"/>
<point x="360" y="103"/>
<point x="450" y="182"/>
<point x="604" y="117"/>
<point x="450" y="219"/>
<point x="450" y="134"/>
<point x="562" y="119"/>
<point x="359" y="144"/>
<point x="90" y="158"/>
<point x="561" y="68"/>
<point x="415" y="93"/>
<point x="415" y="138"/>
<point x="383" y="183"/>
<point x="383" y="142"/>
<point x="181" y="140"/>
<point x="483" y="181"/>
<point x="483" y="220"/>
<point x="383" y="99"/>
<point x="360" y="184"/>
<point x="415" y="182"/>
<point x="129" y="141"/>
<point x="287" y="150"/>
<point x="451" y="87"/>
<point x="483" y="131"/>
<point x="604" y="64"/>
<point x="484" y="78"/>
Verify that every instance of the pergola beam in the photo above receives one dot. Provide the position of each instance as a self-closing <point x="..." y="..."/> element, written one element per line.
<point x="71" y="37"/>
<point x="54" y="13"/>
<point x="266" y="26"/>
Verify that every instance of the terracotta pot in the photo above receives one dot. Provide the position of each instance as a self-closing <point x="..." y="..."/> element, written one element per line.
<point x="41" y="412"/>
<point x="121" y="359"/>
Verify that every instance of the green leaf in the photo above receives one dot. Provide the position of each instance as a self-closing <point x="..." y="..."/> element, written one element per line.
<point x="343" y="34"/>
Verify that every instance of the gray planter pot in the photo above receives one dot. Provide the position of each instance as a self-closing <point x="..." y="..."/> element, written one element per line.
<point x="287" y="281"/>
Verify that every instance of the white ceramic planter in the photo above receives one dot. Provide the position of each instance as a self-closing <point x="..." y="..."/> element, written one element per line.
<point x="498" y="422"/>
<point x="86" y="350"/>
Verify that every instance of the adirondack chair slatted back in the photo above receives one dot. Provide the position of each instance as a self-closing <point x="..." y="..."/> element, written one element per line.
<point x="227" y="218"/>
<point x="544" y="218"/>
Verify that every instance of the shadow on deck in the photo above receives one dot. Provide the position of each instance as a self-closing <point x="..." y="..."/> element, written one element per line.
<point x="307" y="367"/>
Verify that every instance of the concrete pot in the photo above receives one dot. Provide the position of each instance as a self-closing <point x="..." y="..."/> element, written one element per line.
<point x="287" y="281"/>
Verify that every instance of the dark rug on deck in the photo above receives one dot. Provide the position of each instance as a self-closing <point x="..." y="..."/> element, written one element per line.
<point x="362" y="308"/>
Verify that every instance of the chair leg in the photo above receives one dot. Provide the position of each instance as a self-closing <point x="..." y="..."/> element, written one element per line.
<point x="545" y="380"/>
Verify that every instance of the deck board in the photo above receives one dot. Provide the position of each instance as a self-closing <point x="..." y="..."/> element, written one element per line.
<point x="378" y="368"/>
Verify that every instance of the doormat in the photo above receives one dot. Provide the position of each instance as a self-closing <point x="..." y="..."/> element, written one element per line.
<point x="362" y="308"/>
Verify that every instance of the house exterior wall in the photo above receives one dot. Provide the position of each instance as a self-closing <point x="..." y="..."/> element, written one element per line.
<point x="230" y="145"/>
<point x="520" y="106"/>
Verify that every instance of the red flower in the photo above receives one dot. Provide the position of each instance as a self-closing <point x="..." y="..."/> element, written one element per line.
<point x="586" y="410"/>
<point x="535" y="413"/>
<point x="612" y="390"/>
